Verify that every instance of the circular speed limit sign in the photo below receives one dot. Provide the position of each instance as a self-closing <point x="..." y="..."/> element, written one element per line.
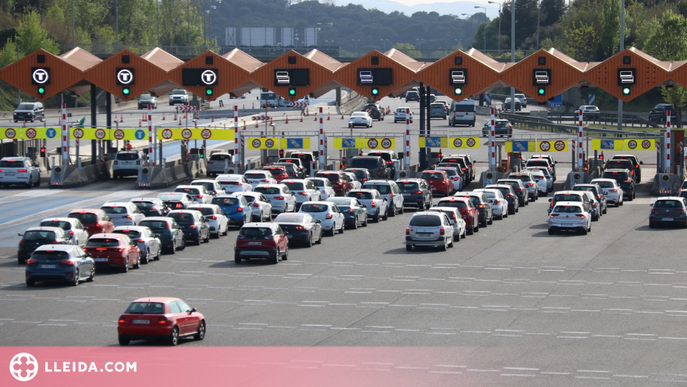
<point x="100" y="134"/>
<point x="119" y="134"/>
<point x="544" y="146"/>
<point x="386" y="143"/>
<point x="78" y="133"/>
<point x="269" y="143"/>
<point x="646" y="144"/>
<point x="167" y="134"/>
<point x="31" y="133"/>
<point x="559" y="145"/>
<point x="372" y="143"/>
<point x="457" y="143"/>
<point x="10" y="133"/>
<point x="471" y="142"/>
<point x="632" y="144"/>
<point x="206" y="133"/>
<point x="186" y="133"/>
<point x="256" y="143"/>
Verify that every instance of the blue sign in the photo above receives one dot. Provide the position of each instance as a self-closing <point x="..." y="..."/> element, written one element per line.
<point x="294" y="143"/>
<point x="433" y="142"/>
<point x="51" y="133"/>
<point x="348" y="142"/>
<point x="557" y="101"/>
<point x="521" y="146"/>
<point x="607" y="144"/>
<point x="140" y="134"/>
<point x="487" y="99"/>
<point x="591" y="99"/>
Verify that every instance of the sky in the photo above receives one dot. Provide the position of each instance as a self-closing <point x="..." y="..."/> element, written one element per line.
<point x="443" y="7"/>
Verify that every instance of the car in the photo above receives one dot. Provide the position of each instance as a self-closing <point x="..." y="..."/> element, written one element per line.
<point x="467" y="210"/>
<point x="257" y="177"/>
<point x="278" y="172"/>
<point x="429" y="229"/>
<point x="176" y="200"/>
<point x="412" y="95"/>
<point x="355" y="183"/>
<point x="457" y="221"/>
<point x="29" y="112"/>
<point x="35" y="237"/>
<point x="151" y="206"/>
<point x="454" y="176"/>
<point x="499" y="204"/>
<point x="234" y="183"/>
<point x="569" y="216"/>
<point x="438" y="181"/>
<point x="341" y="182"/>
<point x="355" y="213"/>
<point x="218" y="163"/>
<point x="114" y="251"/>
<point x="297" y="162"/>
<point x="522" y="98"/>
<point x="610" y="187"/>
<point x="462" y="174"/>
<point x="217" y="221"/>
<point x="300" y="228"/>
<point x="668" y="210"/>
<point x="76" y="231"/>
<point x="465" y="162"/>
<point x="624" y="179"/>
<point x="376" y="165"/>
<point x="168" y="231"/>
<point x="543" y="163"/>
<point x="19" y="170"/>
<point x="597" y="192"/>
<point x="622" y="164"/>
<point x="96" y="221"/>
<point x="502" y="127"/>
<point x="360" y="119"/>
<point x="292" y="170"/>
<point x="60" y="262"/>
<point x="375" y="111"/>
<point x="571" y="196"/>
<point x="543" y="178"/>
<point x="198" y="192"/>
<point x="589" y="112"/>
<point x="657" y="115"/>
<point x="481" y="201"/>
<point x="518" y="188"/>
<point x="303" y="190"/>
<point x="160" y="318"/>
<point x="506" y="104"/>
<point x="146" y="100"/>
<point x="126" y="163"/>
<point x="308" y="159"/>
<point x="400" y="114"/>
<point x="328" y="214"/>
<point x="122" y="213"/>
<point x="261" y="206"/>
<point x="279" y="195"/>
<point x="596" y="206"/>
<point x="149" y="245"/>
<point x="388" y="189"/>
<point x="390" y="158"/>
<point x="178" y="96"/>
<point x="438" y="110"/>
<point x="637" y="165"/>
<point x="195" y="227"/>
<point x="235" y="209"/>
<point x="361" y="174"/>
<point x="324" y="186"/>
<point x="375" y="205"/>
<point x="529" y="183"/>
<point x="261" y="240"/>
<point x="213" y="187"/>
<point x="462" y="112"/>
<point x="509" y="195"/>
<point x="416" y="193"/>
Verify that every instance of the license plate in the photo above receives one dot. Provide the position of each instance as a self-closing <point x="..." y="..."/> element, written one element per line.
<point x="406" y="194"/>
<point x="424" y="235"/>
<point x="287" y="235"/>
<point x="10" y="173"/>
<point x="140" y="321"/>
<point x="48" y="266"/>
<point x="666" y="219"/>
<point x="254" y="243"/>
<point x="100" y="259"/>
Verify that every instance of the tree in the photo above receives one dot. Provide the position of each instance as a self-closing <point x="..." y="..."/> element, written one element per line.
<point x="580" y="42"/>
<point x="610" y="35"/>
<point x="409" y="50"/>
<point x="31" y="35"/>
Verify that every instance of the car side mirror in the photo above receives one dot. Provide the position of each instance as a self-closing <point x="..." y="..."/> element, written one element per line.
<point x="364" y="206"/>
<point x="641" y="163"/>
<point x="550" y="200"/>
<point x="19" y="234"/>
<point x="193" y="310"/>
<point x="318" y="221"/>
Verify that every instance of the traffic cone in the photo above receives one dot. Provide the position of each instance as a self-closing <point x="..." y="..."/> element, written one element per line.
<point x="301" y="118"/>
<point x="179" y="120"/>
<point x="271" y="122"/>
<point x="342" y="117"/>
<point x="175" y="117"/>
<point x="256" y="124"/>
<point x="244" y="124"/>
<point x="315" y="119"/>
<point x="287" y="120"/>
<point x="163" y="117"/>
<point x="121" y="118"/>
<point x="328" y="118"/>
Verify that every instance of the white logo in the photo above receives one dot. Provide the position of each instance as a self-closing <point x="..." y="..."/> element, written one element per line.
<point x="208" y="77"/>
<point x="23" y="367"/>
<point x="40" y="76"/>
<point x="125" y="76"/>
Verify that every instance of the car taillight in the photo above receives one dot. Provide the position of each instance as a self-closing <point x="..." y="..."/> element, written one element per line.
<point x="481" y="206"/>
<point x="128" y="217"/>
<point x="497" y="201"/>
<point x="71" y="232"/>
<point x="178" y="205"/>
<point x="613" y="190"/>
<point x="240" y="209"/>
<point x="66" y="262"/>
<point x="441" y="231"/>
<point x="510" y="195"/>
<point x="213" y="217"/>
<point x="553" y="215"/>
<point x="303" y="193"/>
<point x="391" y="195"/>
<point x="324" y="191"/>
<point x="121" y="320"/>
<point x="373" y="204"/>
<point x="530" y="185"/>
<point x="162" y="320"/>
<point x="97" y="225"/>
<point x="279" y="197"/>
<point x="239" y="183"/>
<point x="551" y="203"/>
<point x="351" y="210"/>
<point x="465" y="169"/>
<point x="593" y="204"/>
<point x="299" y="228"/>
<point x="22" y="170"/>
<point x="654" y="210"/>
<point x="266" y="181"/>
<point x="140" y="241"/>
<point x="329" y="216"/>
<point x="121" y="250"/>
<point x="388" y="162"/>
<point x="364" y="179"/>
<point x="101" y="249"/>
<point x="580" y="216"/>
<point x="22" y="243"/>
<point x="598" y="197"/>
<point x="417" y="192"/>
<point x="31" y="262"/>
<point x="455" y="178"/>
<point x="681" y="210"/>
<point x="518" y="189"/>
<point x="407" y="230"/>
<point x="200" y="196"/>
<point x="115" y="162"/>
<point x="256" y="205"/>
<point x="154" y="209"/>
<point x="628" y="180"/>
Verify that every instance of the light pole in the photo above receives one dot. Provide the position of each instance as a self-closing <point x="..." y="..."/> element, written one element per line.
<point x="356" y="46"/>
<point x="512" y="52"/>
<point x="116" y="25"/>
<point x="157" y="2"/>
<point x="73" y="27"/>
<point x="622" y="47"/>
<point x="499" y="39"/>
<point x="538" y="18"/>
<point x="485" y="26"/>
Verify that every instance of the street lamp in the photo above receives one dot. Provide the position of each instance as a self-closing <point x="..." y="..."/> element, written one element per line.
<point x="499" y="39"/>
<point x="356" y="46"/>
<point x="538" y="17"/>
<point x="324" y="29"/>
<point x="512" y="52"/>
<point x="485" y="26"/>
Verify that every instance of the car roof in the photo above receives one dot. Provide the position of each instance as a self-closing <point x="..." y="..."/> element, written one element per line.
<point x="203" y="181"/>
<point x="424" y="213"/>
<point x="138" y="228"/>
<point x="259" y="224"/>
<point x="567" y="192"/>
<point x="61" y="219"/>
<point x="163" y="300"/>
<point x="65" y="248"/>
<point x="158" y="218"/>
<point x="229" y="177"/>
<point x="106" y="235"/>
<point x="43" y="228"/>
<point x="206" y="205"/>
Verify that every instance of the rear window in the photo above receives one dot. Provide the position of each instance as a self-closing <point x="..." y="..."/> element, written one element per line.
<point x="331" y="176"/>
<point x="425" y="221"/>
<point x="291" y="218"/>
<point x="317" y="183"/>
<point x="57" y="223"/>
<point x="170" y="197"/>
<point x="454" y="203"/>
<point x="254" y="175"/>
<point x="383" y="189"/>
<point x="226" y="201"/>
<point x="294" y="186"/>
<point x="182" y="218"/>
<point x="276" y="171"/>
<point x="668" y="204"/>
<point x="365" y="163"/>
<point x="522" y="177"/>
<point x="538" y="163"/>
<point x="434" y="175"/>
<point x="49" y="255"/>
<point x="209" y="186"/>
<point x="408" y="187"/>
<point x="204" y="210"/>
<point x="11" y="164"/>
<point x="311" y="207"/>
<point x="616" y="175"/>
<point x="190" y="191"/>
<point x="450" y="172"/>
<point x="605" y="184"/>
<point x="567" y="198"/>
<point x="220" y="157"/>
<point x="103" y="242"/>
<point x="384" y="156"/>
<point x="115" y="210"/>
<point x="154" y="224"/>
<point x="255" y="232"/>
<point x="127" y="156"/>
<point x="146" y="308"/>
<point x="85" y="218"/>
<point x="360" y="195"/>
<point x="268" y="190"/>
<point x="339" y="201"/>
<point x="464" y="107"/>
<point x="144" y="205"/>
<point x="39" y="236"/>
<point x="568" y="209"/>
<point x="133" y="234"/>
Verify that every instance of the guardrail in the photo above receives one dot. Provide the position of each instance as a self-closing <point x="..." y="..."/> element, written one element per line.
<point x="546" y="124"/>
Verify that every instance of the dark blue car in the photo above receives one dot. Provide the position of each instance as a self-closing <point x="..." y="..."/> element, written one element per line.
<point x="235" y="208"/>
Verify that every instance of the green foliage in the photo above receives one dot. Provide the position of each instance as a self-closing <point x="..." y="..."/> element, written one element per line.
<point x="581" y="42"/>
<point x="31" y="35"/>
<point x="610" y="36"/>
<point x="409" y="50"/>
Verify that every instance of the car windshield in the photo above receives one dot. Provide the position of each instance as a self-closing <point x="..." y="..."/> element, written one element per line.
<point x="290" y="218"/>
<point x="255" y="176"/>
<point x="50" y="256"/>
<point x="268" y="190"/>
<point x="255" y="232"/>
<point x="25" y="106"/>
<point x="361" y="195"/>
<point x="220" y="157"/>
<point x="538" y="163"/>
<point x="84" y="217"/>
<point x="578" y="188"/>
<point x="314" y="207"/>
<point x="433" y="175"/>
<point x="425" y="221"/>
<point x="127" y="156"/>
<point x="567" y="198"/>
<point x="182" y="218"/>
<point x="178" y="92"/>
<point x="568" y="209"/>
<point x="365" y="163"/>
<point x="408" y="187"/>
<point x="294" y="186"/>
<point x="115" y="210"/>
<point x="39" y="236"/>
<point x="146" y="308"/>
<point x="204" y="210"/>
<point x="133" y="234"/>
<point x="668" y="204"/>
<point x="57" y="223"/>
<point x="103" y="242"/>
<point x="154" y="224"/>
<point x="383" y="189"/>
<point x="226" y="201"/>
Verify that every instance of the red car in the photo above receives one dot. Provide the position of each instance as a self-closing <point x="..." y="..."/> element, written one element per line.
<point x="340" y="181"/>
<point x="261" y="240"/>
<point x="155" y="318"/>
<point x="278" y="172"/>
<point x="96" y="221"/>
<point x="114" y="250"/>
<point x="467" y="210"/>
<point x="438" y="181"/>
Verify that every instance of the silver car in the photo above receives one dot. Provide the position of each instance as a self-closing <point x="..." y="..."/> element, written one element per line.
<point x="429" y="229"/>
<point x="459" y="227"/>
<point x="198" y="192"/>
<point x="218" y="222"/>
<point x="499" y="204"/>
<point x="19" y="170"/>
<point x="280" y="197"/>
<point x="217" y="162"/>
<point x="257" y="177"/>
<point x="148" y="243"/>
<point x="262" y="208"/>
<point x="123" y="213"/>
<point x="614" y="194"/>
<point x="212" y="186"/>
<point x="71" y="226"/>
<point x="372" y="199"/>
<point x="234" y="183"/>
<point x="324" y="186"/>
<point x="569" y="216"/>
<point x="303" y="190"/>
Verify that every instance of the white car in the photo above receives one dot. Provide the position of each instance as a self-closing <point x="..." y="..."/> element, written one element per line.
<point x="569" y="216"/>
<point x="499" y="204"/>
<point x="541" y="180"/>
<point x="389" y="190"/>
<point x="126" y="163"/>
<point x="304" y="190"/>
<point x="354" y="180"/>
<point x="400" y="115"/>
<point x="614" y="194"/>
<point x="376" y="205"/>
<point x="149" y="245"/>
<point x="123" y="213"/>
<point x="212" y="186"/>
<point x="360" y="119"/>
<point x="218" y="222"/>
<point x="71" y="226"/>
<point x="459" y="226"/>
<point x="279" y="195"/>
<point x="217" y="162"/>
<point x="588" y="111"/>
<point x="262" y="208"/>
<point x="324" y="186"/>
<point x="454" y="176"/>
<point x="429" y="229"/>
<point x="198" y="192"/>
<point x="234" y="183"/>
<point x="256" y="177"/>
<point x="19" y="170"/>
<point x="327" y="213"/>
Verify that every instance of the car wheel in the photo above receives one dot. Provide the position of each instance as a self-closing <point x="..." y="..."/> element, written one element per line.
<point x="365" y="221"/>
<point x="286" y="254"/>
<point x="207" y="237"/>
<point x="146" y="259"/>
<point x="75" y="280"/>
<point x="319" y="240"/>
<point x="403" y="210"/>
<point x="443" y="247"/>
<point x="237" y="259"/>
<point x="376" y="217"/>
<point x="173" y="338"/>
<point x="200" y="335"/>
<point x="92" y="276"/>
<point x="137" y="265"/>
<point x="409" y="247"/>
<point x="551" y="231"/>
<point x="584" y="231"/>
<point x="355" y="224"/>
<point x="308" y="243"/>
<point x="471" y="230"/>
<point x="630" y="197"/>
<point x="392" y="211"/>
<point x="198" y="241"/>
<point x="125" y="269"/>
<point x="274" y="260"/>
<point x="173" y="250"/>
<point x="122" y="341"/>
<point x="341" y="230"/>
<point x="38" y="182"/>
<point x="386" y="215"/>
<point x="491" y="219"/>
<point x="450" y="243"/>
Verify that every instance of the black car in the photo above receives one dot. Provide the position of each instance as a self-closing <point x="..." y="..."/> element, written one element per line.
<point x="168" y="231"/>
<point x="355" y="213"/>
<point x="635" y="161"/>
<point x="501" y="128"/>
<point x="300" y="228"/>
<point x="389" y="158"/>
<point x="519" y="188"/>
<point x="376" y="111"/>
<point x="412" y="95"/>
<point x="483" y="205"/>
<point x="35" y="237"/>
<point x="194" y="225"/>
<point x="416" y="193"/>
<point x="624" y="179"/>
<point x="657" y="115"/>
<point x="668" y="210"/>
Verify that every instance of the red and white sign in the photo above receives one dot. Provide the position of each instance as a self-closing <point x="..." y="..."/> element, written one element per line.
<point x="100" y="134"/>
<point x="632" y="144"/>
<point x="119" y="134"/>
<point x="372" y="143"/>
<point x="256" y="143"/>
<point x="186" y="133"/>
<point x="10" y="133"/>
<point x="186" y="108"/>
<point x="300" y="104"/>
<point x="167" y="134"/>
<point x="269" y="143"/>
<point x="386" y="143"/>
<point x="78" y="133"/>
<point x="31" y="133"/>
<point x="646" y="144"/>
<point x="471" y="142"/>
<point x="544" y="146"/>
<point x="457" y="143"/>
<point x="206" y="133"/>
<point x="559" y="145"/>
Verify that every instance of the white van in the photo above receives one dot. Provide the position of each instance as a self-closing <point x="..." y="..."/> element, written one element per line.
<point x="463" y="113"/>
